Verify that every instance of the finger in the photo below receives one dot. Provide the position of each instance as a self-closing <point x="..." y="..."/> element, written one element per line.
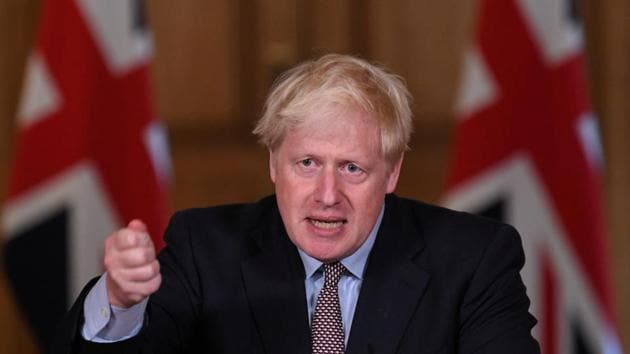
<point x="116" y="259"/>
<point x="139" y="274"/>
<point x="129" y="238"/>
<point x="135" y="257"/>
<point x="137" y="225"/>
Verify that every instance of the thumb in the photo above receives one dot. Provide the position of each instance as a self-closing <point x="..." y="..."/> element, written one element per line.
<point x="137" y="225"/>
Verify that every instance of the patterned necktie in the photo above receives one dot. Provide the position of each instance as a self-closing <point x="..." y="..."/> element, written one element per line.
<point x="327" y="335"/>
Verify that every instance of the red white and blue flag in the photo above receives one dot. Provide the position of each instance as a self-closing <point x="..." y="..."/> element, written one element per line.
<point x="89" y="153"/>
<point x="527" y="151"/>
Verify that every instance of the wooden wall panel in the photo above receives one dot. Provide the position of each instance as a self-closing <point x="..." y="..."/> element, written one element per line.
<point x="610" y="53"/>
<point x="215" y="174"/>
<point x="278" y="29"/>
<point x="327" y="26"/>
<point x="423" y="42"/>
<point x="17" y="19"/>
<point x="196" y="57"/>
<point x="5" y="87"/>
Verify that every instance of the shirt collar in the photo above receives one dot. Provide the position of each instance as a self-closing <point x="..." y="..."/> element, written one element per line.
<point x="354" y="263"/>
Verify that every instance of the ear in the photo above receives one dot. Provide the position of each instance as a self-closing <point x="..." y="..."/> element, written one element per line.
<point x="394" y="173"/>
<point x="272" y="166"/>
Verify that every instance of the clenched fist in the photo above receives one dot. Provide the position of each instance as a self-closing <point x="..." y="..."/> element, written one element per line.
<point x="133" y="272"/>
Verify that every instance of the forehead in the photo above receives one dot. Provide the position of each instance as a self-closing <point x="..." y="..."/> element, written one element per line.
<point x="341" y="130"/>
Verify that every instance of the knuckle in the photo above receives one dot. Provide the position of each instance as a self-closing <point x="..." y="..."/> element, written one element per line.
<point x="146" y="239"/>
<point x="146" y="272"/>
<point x="142" y="257"/>
<point x="147" y="255"/>
<point x="155" y="285"/>
<point x="134" y="257"/>
<point x="127" y="238"/>
<point x="133" y="239"/>
<point x="155" y="266"/>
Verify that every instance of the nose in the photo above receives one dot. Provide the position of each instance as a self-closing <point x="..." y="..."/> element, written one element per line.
<point x="328" y="190"/>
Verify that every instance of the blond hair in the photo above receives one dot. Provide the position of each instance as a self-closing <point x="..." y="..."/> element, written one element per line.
<point x="338" y="80"/>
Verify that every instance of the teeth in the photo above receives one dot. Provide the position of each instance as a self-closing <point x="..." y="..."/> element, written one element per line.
<point x="327" y="224"/>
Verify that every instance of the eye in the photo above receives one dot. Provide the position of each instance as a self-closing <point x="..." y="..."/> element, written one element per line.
<point x="353" y="169"/>
<point x="306" y="162"/>
<point x="352" y="173"/>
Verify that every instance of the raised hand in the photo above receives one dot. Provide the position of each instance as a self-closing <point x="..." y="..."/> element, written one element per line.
<point x="133" y="272"/>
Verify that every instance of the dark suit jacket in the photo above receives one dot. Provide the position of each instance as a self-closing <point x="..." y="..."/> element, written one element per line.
<point x="436" y="281"/>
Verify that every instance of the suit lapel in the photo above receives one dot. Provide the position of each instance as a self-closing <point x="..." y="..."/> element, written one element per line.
<point x="392" y="287"/>
<point x="274" y="283"/>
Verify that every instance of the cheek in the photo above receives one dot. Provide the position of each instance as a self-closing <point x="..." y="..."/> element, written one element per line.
<point x="367" y="203"/>
<point x="293" y="185"/>
<point x="291" y="193"/>
<point x="371" y="194"/>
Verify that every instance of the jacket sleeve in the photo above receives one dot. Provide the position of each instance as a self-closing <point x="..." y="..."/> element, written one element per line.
<point x="70" y="326"/>
<point x="171" y="313"/>
<point x="495" y="314"/>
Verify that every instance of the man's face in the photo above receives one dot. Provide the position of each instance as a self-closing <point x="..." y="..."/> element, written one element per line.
<point x="330" y="180"/>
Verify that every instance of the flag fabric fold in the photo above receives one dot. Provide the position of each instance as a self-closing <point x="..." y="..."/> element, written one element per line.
<point x="527" y="151"/>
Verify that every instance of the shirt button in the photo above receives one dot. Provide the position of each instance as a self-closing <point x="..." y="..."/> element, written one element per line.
<point x="104" y="311"/>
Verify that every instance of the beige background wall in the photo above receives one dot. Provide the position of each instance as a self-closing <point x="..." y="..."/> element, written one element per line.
<point x="215" y="59"/>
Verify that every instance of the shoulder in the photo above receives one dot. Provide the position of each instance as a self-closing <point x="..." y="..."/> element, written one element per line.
<point x="227" y="216"/>
<point x="216" y="238"/>
<point x="221" y="223"/>
<point x="450" y="234"/>
<point x="435" y="219"/>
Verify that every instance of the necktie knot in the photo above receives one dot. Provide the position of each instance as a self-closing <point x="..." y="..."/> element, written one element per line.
<point x="332" y="274"/>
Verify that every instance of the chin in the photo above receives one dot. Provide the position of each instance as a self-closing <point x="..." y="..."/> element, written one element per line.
<point x="323" y="253"/>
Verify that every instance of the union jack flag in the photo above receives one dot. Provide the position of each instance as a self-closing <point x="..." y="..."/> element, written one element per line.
<point x="527" y="151"/>
<point x="89" y="155"/>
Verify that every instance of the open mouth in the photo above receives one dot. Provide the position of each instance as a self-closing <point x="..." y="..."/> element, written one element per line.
<point x="326" y="224"/>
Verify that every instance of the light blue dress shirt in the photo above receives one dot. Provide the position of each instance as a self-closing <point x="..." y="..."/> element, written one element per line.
<point x="105" y="323"/>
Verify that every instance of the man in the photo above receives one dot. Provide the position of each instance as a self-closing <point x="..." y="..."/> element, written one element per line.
<point x="333" y="263"/>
